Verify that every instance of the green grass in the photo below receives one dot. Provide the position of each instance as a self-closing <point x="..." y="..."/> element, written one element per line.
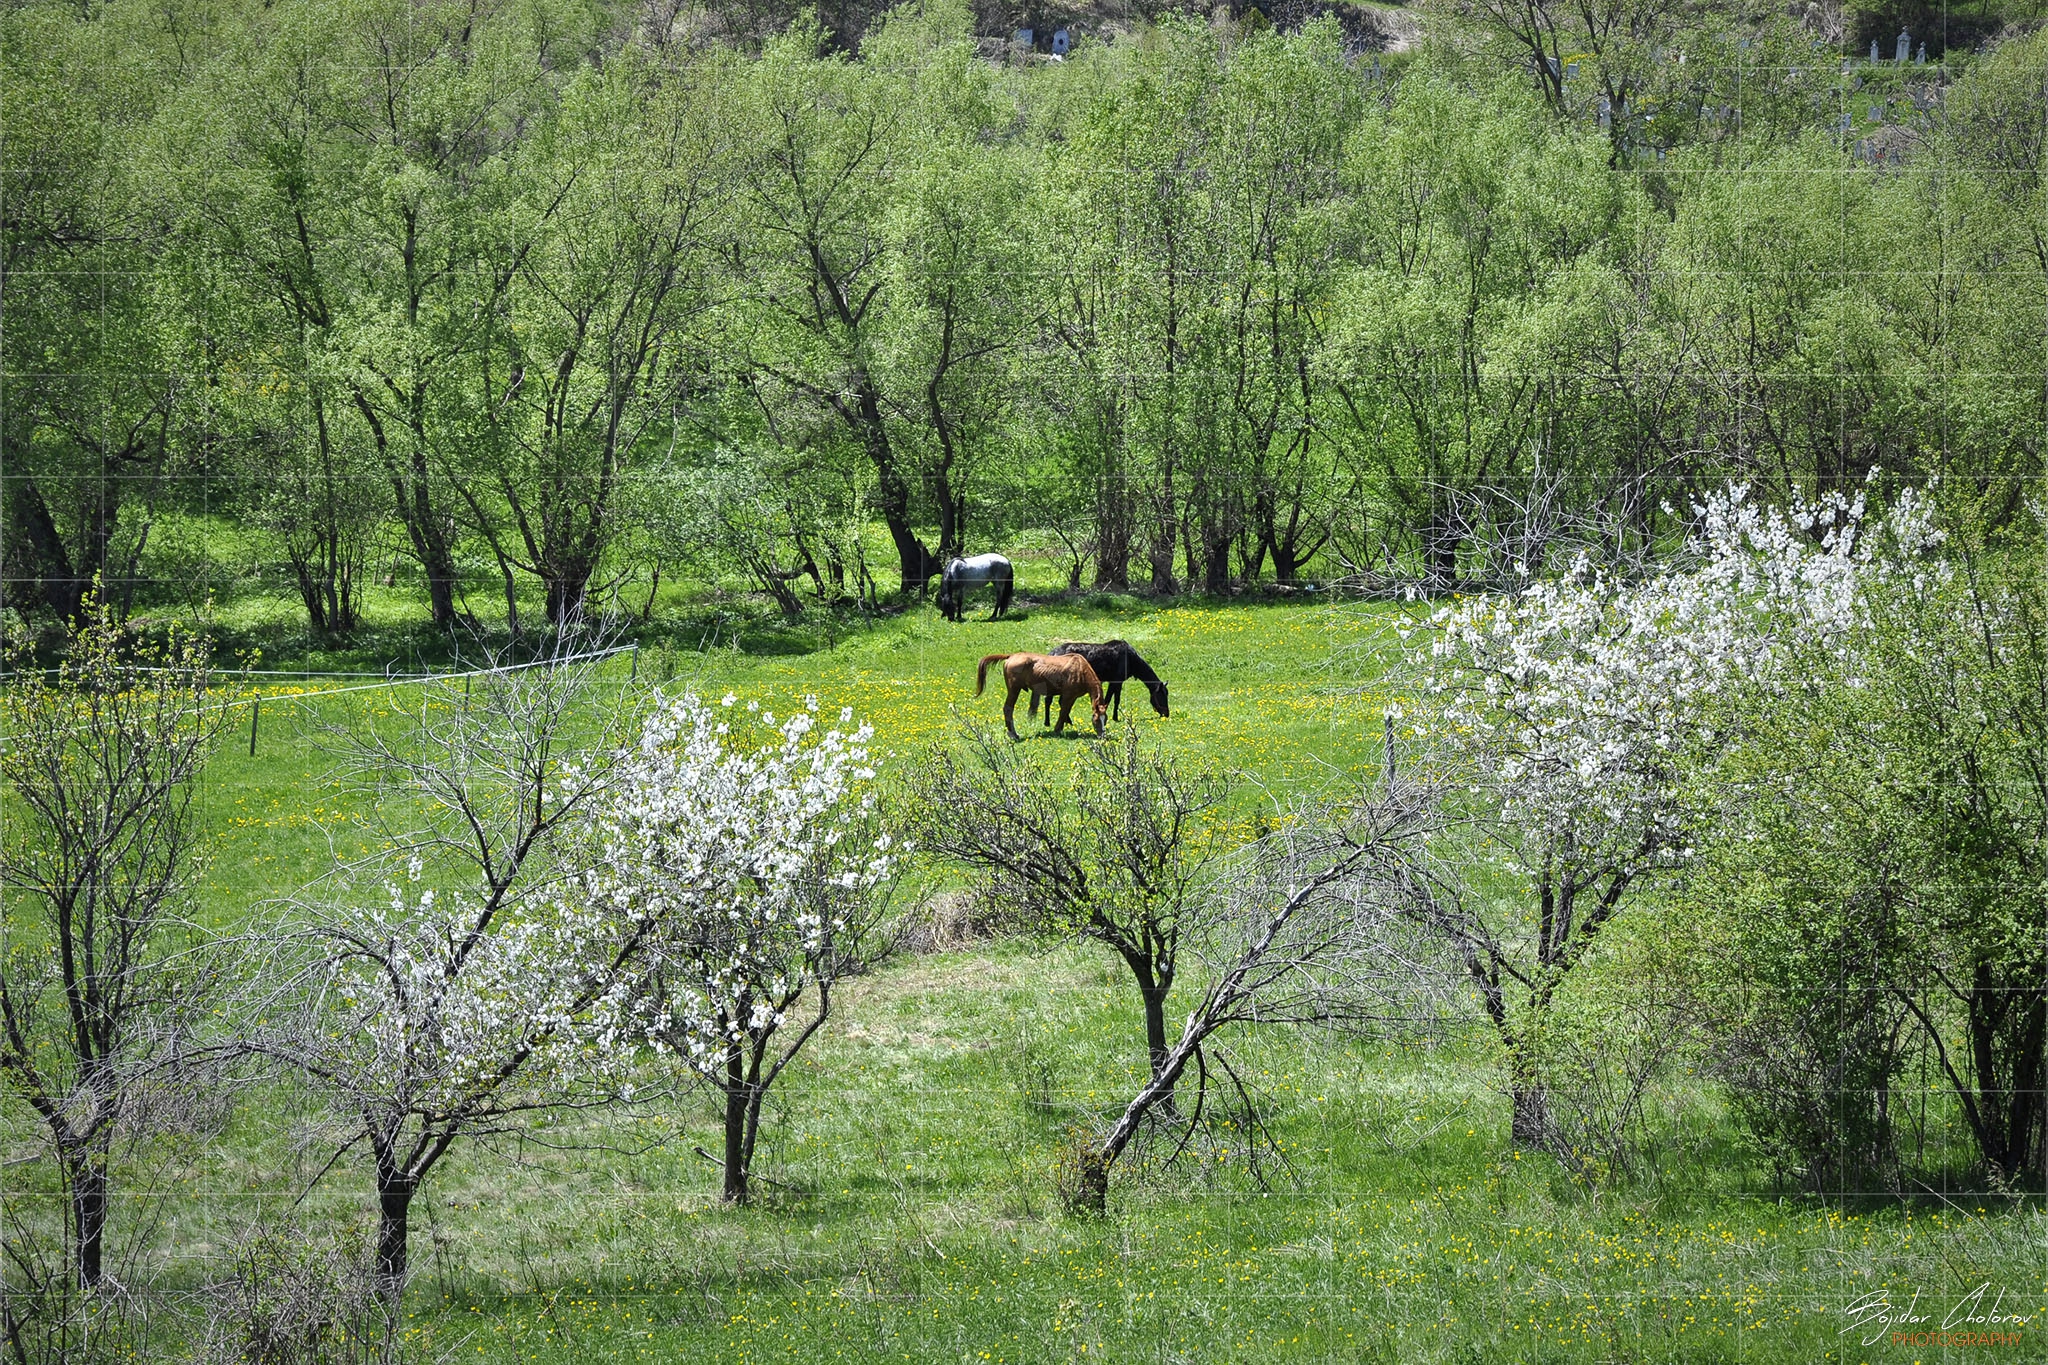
<point x="914" y="1148"/>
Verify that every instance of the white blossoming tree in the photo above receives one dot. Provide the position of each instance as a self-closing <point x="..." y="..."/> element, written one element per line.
<point x="453" y="987"/>
<point x="753" y="847"/>
<point x="1568" y="718"/>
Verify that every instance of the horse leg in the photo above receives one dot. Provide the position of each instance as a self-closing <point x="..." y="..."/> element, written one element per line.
<point x="1066" y="709"/>
<point x="1116" y="699"/>
<point x="1010" y="712"/>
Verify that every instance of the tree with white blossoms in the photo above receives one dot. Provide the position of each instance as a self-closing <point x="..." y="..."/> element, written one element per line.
<point x="754" y="847"/>
<point x="1568" y="716"/>
<point x="450" y="986"/>
<point x="1874" y="884"/>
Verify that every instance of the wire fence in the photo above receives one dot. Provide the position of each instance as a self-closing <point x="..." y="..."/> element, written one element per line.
<point x="377" y="681"/>
<point x="388" y="679"/>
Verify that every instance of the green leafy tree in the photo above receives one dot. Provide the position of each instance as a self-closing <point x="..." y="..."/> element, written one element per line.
<point x="1482" y="260"/>
<point x="809" y="248"/>
<point x="602" y="322"/>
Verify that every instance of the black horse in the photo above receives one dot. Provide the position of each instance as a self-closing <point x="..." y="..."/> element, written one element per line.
<point x="1114" y="661"/>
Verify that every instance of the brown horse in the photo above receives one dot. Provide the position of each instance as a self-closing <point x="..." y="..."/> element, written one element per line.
<point x="1043" y="676"/>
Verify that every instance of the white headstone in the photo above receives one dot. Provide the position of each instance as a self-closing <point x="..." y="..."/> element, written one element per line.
<point x="1059" y="42"/>
<point x="1873" y="51"/>
<point x="1905" y="46"/>
<point x="1024" y="37"/>
<point x="1920" y="58"/>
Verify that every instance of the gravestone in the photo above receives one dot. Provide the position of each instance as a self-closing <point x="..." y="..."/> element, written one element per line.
<point x="1905" y="46"/>
<point x="1920" y="58"/>
<point x="1555" y="69"/>
<point x="1060" y="42"/>
<point x="1571" y="71"/>
<point x="1024" y="37"/>
<point x="1606" y="112"/>
<point x="1873" y="51"/>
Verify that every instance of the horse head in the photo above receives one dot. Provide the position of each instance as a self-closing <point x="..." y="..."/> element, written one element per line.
<point x="1157" y="691"/>
<point x="1101" y="715"/>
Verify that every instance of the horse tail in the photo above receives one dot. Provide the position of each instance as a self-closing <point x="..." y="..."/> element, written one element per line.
<point x="1004" y="589"/>
<point x="981" y="673"/>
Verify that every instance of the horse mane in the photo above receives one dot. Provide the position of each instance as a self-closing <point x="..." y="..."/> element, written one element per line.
<point x="1094" y="682"/>
<point x="1134" y="661"/>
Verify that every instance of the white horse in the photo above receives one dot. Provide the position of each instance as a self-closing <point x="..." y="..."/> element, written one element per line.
<point x="960" y="575"/>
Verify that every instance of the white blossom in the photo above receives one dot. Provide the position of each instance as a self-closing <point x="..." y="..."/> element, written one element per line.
<point x="1576" y="703"/>
<point x="737" y="845"/>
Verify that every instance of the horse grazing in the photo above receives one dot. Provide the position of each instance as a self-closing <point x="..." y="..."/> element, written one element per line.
<point x="960" y="575"/>
<point x="1114" y="661"/>
<point x="1043" y="676"/>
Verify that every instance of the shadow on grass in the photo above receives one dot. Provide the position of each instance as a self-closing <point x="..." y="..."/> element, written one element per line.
<point x="743" y="623"/>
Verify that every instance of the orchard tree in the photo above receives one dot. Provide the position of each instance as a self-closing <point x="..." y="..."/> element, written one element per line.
<point x="451" y="987"/>
<point x="1878" y="862"/>
<point x="1570" y="720"/>
<point x="102" y="982"/>
<point x="1115" y="853"/>
<point x="1310" y="924"/>
<point x="752" y="847"/>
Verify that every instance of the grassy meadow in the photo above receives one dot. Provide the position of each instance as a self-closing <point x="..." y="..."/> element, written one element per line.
<point x="913" y="1152"/>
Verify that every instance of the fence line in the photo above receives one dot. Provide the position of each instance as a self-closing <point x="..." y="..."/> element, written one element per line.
<point x="255" y="703"/>
<point x="386" y="678"/>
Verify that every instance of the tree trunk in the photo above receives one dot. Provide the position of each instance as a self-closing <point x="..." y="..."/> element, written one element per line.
<point x="440" y="569"/>
<point x="915" y="563"/>
<point x="61" y="587"/>
<point x="412" y="498"/>
<point x="394" y="1231"/>
<point x="1112" y="530"/>
<point x="1155" y="1025"/>
<point x="565" y="595"/>
<point x="736" y="1093"/>
<point x="1285" y="568"/>
<point x="1161" y="558"/>
<point x="1440" y="541"/>
<point x="1216" y="565"/>
<point x="89" y="1214"/>
<point x="1091" y="1181"/>
<point x="2009" y="1105"/>
<point x="1531" y="1124"/>
<point x="1154" y="985"/>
